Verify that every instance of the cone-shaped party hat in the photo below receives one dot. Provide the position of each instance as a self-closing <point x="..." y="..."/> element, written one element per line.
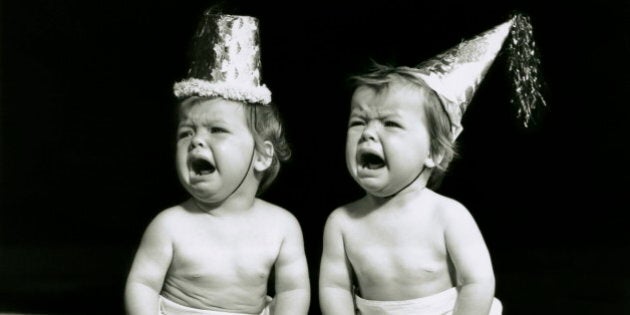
<point x="225" y="61"/>
<point x="456" y="73"/>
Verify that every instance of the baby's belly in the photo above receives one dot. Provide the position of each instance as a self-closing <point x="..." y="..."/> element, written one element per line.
<point x="227" y="291"/>
<point x="390" y="274"/>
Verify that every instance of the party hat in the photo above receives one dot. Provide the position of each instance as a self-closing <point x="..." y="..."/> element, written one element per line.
<point x="225" y="61"/>
<point x="456" y="73"/>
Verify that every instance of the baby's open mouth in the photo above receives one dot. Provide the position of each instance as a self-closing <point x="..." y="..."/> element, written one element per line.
<point x="202" y="167"/>
<point x="371" y="161"/>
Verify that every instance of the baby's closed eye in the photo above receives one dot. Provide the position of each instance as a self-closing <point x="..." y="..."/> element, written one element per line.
<point x="184" y="134"/>
<point x="218" y="130"/>
<point x="356" y="122"/>
<point x="392" y="124"/>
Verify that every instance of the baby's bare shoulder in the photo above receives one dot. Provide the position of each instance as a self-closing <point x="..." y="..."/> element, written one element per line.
<point x="274" y="215"/>
<point x="346" y="214"/>
<point x="450" y="209"/>
<point x="170" y="218"/>
<point x="163" y="227"/>
<point x="271" y="210"/>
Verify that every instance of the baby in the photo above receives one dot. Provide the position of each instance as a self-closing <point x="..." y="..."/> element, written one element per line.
<point x="214" y="253"/>
<point x="402" y="241"/>
<point x="403" y="248"/>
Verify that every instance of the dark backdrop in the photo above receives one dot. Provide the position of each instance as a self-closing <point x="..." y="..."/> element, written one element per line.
<point x="87" y="136"/>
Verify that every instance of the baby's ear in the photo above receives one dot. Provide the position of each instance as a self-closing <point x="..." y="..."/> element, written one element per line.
<point x="264" y="157"/>
<point x="433" y="160"/>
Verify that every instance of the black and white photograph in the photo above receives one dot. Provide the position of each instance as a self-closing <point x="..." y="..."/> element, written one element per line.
<point x="335" y="157"/>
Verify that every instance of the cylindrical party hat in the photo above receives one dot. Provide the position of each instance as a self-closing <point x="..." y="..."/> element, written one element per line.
<point x="456" y="73"/>
<point x="225" y="61"/>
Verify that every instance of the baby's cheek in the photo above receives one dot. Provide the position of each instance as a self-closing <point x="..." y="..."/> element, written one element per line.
<point x="180" y="163"/>
<point x="350" y="160"/>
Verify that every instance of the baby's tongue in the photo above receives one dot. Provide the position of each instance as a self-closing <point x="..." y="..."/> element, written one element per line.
<point x="203" y="167"/>
<point x="372" y="161"/>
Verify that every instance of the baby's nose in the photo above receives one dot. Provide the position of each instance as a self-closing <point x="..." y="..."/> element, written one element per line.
<point x="197" y="142"/>
<point x="369" y="132"/>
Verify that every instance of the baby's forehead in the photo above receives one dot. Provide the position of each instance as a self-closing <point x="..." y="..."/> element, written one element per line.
<point x="211" y="111"/>
<point x="390" y="99"/>
<point x="199" y="117"/>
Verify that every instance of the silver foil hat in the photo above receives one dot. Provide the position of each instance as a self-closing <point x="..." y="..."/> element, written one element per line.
<point x="225" y="61"/>
<point x="456" y="73"/>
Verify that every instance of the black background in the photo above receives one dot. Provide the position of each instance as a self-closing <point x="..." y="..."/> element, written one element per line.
<point x="87" y="139"/>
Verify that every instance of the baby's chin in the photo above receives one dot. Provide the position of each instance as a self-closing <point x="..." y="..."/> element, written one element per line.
<point x="383" y="189"/>
<point x="205" y="195"/>
<point x="376" y="190"/>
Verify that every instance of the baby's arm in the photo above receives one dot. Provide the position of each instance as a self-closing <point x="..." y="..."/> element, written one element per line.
<point x="293" y="292"/>
<point x="148" y="270"/>
<point x="472" y="262"/>
<point x="335" y="284"/>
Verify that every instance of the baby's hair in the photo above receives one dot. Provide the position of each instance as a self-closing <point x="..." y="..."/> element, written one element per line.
<point x="380" y="77"/>
<point x="265" y="125"/>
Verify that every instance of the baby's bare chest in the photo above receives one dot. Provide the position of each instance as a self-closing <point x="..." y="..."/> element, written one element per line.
<point x="220" y="252"/>
<point x="380" y="248"/>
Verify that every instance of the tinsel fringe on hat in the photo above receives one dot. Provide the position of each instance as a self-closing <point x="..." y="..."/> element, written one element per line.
<point x="524" y="64"/>
<point x="228" y="90"/>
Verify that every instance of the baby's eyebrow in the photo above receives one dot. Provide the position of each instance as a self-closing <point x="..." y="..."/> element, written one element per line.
<point x="358" y="112"/>
<point x="377" y="116"/>
<point x="185" y="123"/>
<point x="361" y="116"/>
<point x="389" y="115"/>
<point x="201" y="121"/>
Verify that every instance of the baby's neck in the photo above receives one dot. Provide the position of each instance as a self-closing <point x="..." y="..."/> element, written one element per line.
<point x="413" y="189"/>
<point x="409" y="193"/>
<point x="231" y="206"/>
<point x="239" y="201"/>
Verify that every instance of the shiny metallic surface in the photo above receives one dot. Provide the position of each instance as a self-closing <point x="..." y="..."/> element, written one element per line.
<point x="225" y="61"/>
